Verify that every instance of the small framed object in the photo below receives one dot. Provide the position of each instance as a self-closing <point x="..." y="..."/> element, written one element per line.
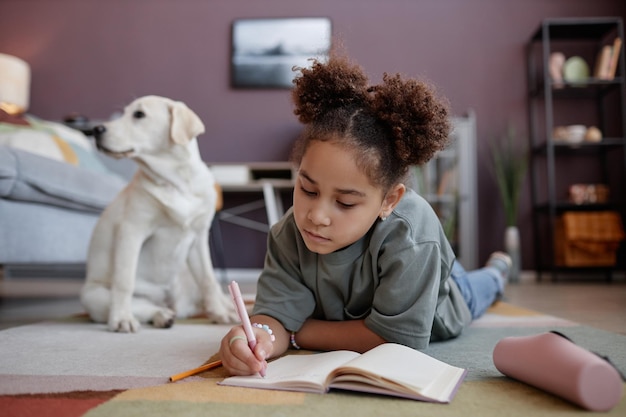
<point x="265" y="51"/>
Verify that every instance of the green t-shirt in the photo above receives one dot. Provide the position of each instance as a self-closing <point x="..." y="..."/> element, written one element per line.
<point x="396" y="278"/>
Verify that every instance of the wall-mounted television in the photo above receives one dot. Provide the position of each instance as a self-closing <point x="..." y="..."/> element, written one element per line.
<point x="265" y="51"/>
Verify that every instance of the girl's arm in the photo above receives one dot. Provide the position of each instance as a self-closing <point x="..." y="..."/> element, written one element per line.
<point x="238" y="359"/>
<point x="337" y="335"/>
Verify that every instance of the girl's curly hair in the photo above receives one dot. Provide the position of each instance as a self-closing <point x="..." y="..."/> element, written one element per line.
<point x="390" y="126"/>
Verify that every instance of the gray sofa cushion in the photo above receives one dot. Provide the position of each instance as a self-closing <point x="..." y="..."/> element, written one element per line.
<point x="27" y="177"/>
<point x="43" y="234"/>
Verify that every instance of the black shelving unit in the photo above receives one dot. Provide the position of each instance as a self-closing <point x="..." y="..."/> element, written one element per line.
<point x="601" y="103"/>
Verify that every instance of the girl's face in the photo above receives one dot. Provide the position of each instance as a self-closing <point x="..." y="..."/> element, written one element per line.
<point x="334" y="202"/>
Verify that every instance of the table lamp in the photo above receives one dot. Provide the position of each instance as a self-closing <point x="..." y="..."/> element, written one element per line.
<point x="14" y="84"/>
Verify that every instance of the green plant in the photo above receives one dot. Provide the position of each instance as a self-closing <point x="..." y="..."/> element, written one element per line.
<point x="510" y="163"/>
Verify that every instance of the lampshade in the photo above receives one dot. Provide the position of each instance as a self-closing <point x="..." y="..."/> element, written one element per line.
<point x="14" y="84"/>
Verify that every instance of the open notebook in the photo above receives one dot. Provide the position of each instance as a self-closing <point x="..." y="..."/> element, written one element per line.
<point x="388" y="369"/>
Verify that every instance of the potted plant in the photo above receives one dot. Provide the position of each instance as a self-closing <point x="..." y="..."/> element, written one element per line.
<point x="510" y="163"/>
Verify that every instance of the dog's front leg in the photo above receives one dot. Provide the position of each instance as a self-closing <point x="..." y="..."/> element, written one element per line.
<point x="217" y="306"/>
<point x="126" y="254"/>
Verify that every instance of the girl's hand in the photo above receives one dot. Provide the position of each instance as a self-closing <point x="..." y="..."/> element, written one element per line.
<point x="238" y="358"/>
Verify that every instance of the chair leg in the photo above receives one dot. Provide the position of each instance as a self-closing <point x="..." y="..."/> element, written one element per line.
<point x="217" y="247"/>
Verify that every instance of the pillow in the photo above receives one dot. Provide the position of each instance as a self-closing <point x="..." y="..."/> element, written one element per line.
<point x="51" y="140"/>
<point x="32" y="178"/>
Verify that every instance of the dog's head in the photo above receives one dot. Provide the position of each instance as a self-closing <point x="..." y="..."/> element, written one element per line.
<point x="149" y="125"/>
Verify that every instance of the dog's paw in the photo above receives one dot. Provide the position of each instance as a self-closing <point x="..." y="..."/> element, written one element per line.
<point x="164" y="318"/>
<point x="126" y="324"/>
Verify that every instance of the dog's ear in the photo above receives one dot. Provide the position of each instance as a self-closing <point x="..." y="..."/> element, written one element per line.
<point x="185" y="123"/>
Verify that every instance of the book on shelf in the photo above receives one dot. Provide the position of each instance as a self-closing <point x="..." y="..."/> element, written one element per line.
<point x="607" y="60"/>
<point x="615" y="54"/>
<point x="388" y="369"/>
<point x="603" y="63"/>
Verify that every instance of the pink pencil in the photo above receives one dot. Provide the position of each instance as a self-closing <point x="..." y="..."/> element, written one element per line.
<point x="235" y="292"/>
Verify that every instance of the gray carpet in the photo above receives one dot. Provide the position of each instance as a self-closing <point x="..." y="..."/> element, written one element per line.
<point x="74" y="367"/>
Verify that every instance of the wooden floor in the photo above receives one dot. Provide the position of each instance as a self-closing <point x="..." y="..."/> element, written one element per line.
<point x="594" y="303"/>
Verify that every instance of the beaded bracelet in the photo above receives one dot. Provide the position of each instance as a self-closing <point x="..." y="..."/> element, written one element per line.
<point x="292" y="340"/>
<point x="265" y="328"/>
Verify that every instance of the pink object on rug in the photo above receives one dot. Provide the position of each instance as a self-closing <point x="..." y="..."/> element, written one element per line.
<point x="555" y="364"/>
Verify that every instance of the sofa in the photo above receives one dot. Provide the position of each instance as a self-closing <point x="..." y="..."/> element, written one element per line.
<point x="53" y="187"/>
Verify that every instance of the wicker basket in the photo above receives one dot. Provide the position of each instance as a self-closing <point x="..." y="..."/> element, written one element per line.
<point x="588" y="239"/>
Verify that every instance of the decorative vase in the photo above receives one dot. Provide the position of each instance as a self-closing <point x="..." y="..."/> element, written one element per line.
<point x="512" y="247"/>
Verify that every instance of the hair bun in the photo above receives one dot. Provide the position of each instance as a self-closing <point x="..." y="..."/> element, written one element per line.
<point x="417" y="118"/>
<point x="327" y="86"/>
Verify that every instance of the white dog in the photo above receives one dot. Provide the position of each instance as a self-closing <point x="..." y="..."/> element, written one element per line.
<point x="149" y="259"/>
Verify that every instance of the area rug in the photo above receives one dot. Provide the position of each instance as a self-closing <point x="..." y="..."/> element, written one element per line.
<point x="76" y="368"/>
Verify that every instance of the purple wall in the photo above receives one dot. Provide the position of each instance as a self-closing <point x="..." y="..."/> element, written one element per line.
<point x="95" y="56"/>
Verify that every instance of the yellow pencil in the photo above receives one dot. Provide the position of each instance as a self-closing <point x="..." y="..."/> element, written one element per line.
<point x="195" y="371"/>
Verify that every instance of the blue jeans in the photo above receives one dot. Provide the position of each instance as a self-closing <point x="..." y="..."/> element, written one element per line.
<point x="480" y="288"/>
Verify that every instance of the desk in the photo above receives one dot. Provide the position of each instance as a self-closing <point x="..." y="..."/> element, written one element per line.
<point x="267" y="178"/>
<point x="272" y="202"/>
